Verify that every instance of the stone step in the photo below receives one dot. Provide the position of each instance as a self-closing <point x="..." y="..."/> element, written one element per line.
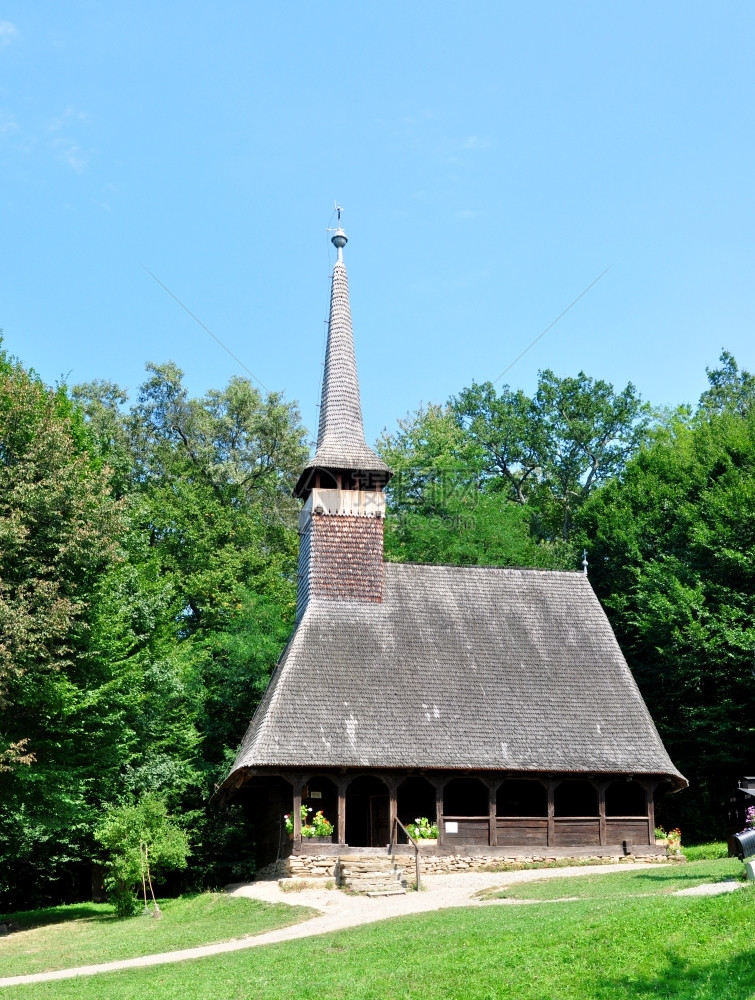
<point x="377" y="865"/>
<point x="372" y="880"/>
<point x="372" y="876"/>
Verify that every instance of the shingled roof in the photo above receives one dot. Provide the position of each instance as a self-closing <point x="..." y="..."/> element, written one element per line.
<point x="458" y="668"/>
<point x="340" y="438"/>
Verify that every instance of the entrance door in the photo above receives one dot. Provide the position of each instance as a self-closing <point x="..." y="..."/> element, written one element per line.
<point x="367" y="812"/>
<point x="380" y="832"/>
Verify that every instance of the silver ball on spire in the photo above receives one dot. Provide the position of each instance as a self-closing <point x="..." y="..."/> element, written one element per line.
<point x="339" y="239"/>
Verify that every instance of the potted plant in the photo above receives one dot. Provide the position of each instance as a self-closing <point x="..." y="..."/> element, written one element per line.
<point x="674" y="842"/>
<point x="319" y="830"/>
<point x="423" y="831"/>
<point x="288" y="819"/>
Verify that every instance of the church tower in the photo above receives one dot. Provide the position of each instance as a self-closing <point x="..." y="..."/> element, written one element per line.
<point x="341" y="523"/>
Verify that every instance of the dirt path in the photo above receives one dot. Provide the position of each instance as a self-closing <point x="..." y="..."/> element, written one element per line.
<point x="338" y="912"/>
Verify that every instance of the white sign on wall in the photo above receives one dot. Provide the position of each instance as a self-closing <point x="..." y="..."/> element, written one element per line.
<point x="452" y="826"/>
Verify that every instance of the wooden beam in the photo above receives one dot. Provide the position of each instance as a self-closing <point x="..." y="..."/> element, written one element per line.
<point x="551" y="788"/>
<point x="392" y="783"/>
<point x="439" y="809"/>
<point x="650" y="787"/>
<point x="492" y="809"/>
<point x="341" y="828"/>
<point x="297" y="812"/>
<point x="602" y="785"/>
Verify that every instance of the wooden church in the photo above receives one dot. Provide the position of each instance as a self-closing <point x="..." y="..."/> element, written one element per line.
<point x="495" y="702"/>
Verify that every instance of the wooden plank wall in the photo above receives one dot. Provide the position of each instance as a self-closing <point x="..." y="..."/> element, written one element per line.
<point x="568" y="831"/>
<point x="629" y="828"/>
<point x="573" y="832"/>
<point x="513" y="830"/>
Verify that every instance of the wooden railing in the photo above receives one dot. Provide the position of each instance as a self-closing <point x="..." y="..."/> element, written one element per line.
<point x="394" y="834"/>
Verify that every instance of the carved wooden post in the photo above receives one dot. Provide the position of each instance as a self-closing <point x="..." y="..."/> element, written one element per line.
<point x="341" y="831"/>
<point x="551" y="788"/>
<point x="650" y="788"/>
<point x="392" y="784"/>
<point x="492" y="810"/>
<point x="297" y="812"/>
<point x="439" y="810"/>
<point x="602" y="785"/>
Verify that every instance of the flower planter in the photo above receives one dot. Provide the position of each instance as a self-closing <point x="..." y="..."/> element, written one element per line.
<point x="317" y="840"/>
<point x="428" y="842"/>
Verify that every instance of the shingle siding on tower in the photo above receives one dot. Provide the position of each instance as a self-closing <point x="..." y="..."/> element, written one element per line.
<point x="341" y="557"/>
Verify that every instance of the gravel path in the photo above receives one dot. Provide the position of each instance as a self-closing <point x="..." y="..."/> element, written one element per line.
<point x="339" y="911"/>
<point x="710" y="889"/>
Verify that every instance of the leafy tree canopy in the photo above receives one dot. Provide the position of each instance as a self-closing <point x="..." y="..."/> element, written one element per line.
<point x="147" y="585"/>
<point x="672" y="544"/>
<point x="497" y="478"/>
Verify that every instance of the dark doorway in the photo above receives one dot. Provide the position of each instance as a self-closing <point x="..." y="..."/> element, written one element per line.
<point x="265" y="802"/>
<point x="415" y="799"/>
<point x="367" y="813"/>
<point x="576" y="798"/>
<point x="625" y="798"/>
<point x="465" y="797"/>
<point x="522" y="798"/>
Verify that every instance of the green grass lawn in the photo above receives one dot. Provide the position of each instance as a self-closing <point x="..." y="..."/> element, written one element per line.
<point x="698" y="948"/>
<point x="697" y="852"/>
<point x="623" y="946"/>
<point x="653" y="880"/>
<point x="89" y="933"/>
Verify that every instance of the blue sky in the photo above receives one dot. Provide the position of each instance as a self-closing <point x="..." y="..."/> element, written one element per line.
<point x="492" y="159"/>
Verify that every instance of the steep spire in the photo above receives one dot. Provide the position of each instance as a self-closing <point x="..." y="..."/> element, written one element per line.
<point x="342" y="453"/>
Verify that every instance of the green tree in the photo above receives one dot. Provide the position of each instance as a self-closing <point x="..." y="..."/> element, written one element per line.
<point x="140" y="841"/>
<point x="730" y="390"/>
<point x="58" y="536"/>
<point x="147" y="578"/>
<point x="496" y="478"/>
<point x="443" y="509"/>
<point x="672" y="545"/>
<point x="212" y="548"/>
<point x="554" y="450"/>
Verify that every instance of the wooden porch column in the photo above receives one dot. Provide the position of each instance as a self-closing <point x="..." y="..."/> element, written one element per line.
<point x="297" y="811"/>
<point x="650" y="788"/>
<point x="602" y="785"/>
<point x="492" y="809"/>
<point x="341" y="822"/>
<point x="551" y="788"/>
<point x="439" y="810"/>
<point x="392" y="784"/>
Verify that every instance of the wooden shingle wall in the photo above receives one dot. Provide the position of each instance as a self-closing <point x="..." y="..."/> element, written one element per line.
<point x="341" y="558"/>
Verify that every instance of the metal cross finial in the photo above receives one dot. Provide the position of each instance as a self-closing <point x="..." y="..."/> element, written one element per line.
<point x="338" y="239"/>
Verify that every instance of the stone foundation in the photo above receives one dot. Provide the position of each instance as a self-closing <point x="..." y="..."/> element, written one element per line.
<point x="442" y="864"/>
<point x="300" y="866"/>
<point x="305" y="866"/>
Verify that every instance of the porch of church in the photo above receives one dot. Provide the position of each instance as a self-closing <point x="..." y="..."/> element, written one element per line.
<point x="490" y="813"/>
